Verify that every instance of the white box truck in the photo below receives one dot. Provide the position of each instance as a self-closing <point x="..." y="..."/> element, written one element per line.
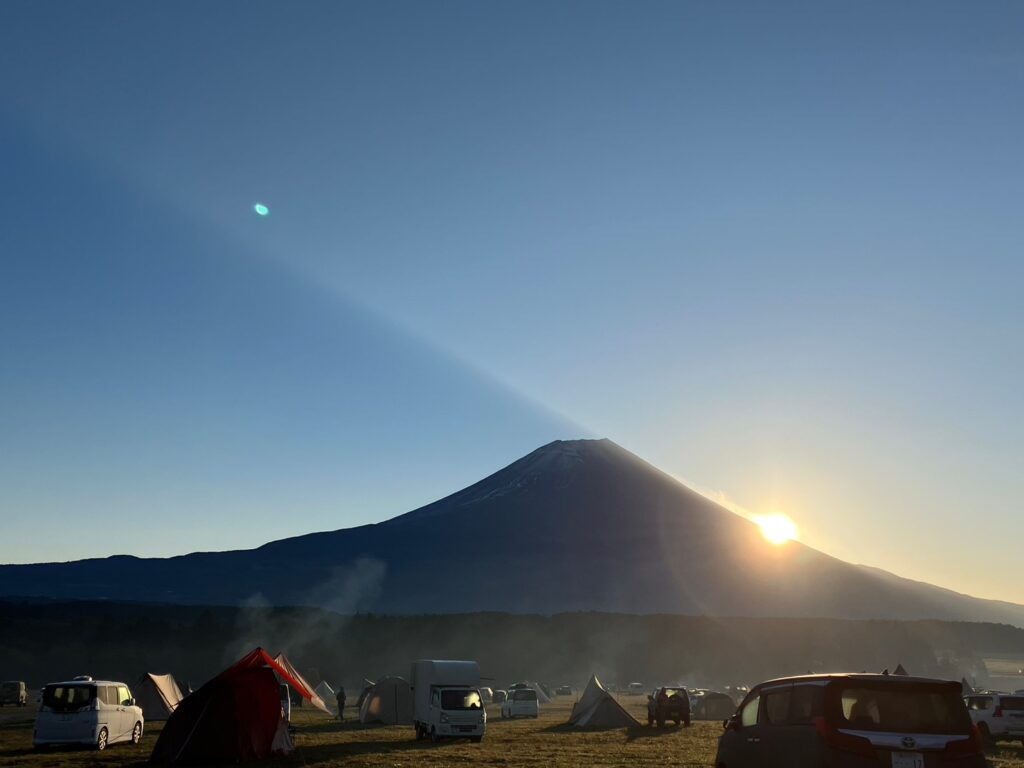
<point x="446" y="700"/>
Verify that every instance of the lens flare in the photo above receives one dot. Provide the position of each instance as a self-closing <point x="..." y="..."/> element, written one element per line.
<point x="776" y="528"/>
<point x="261" y="209"/>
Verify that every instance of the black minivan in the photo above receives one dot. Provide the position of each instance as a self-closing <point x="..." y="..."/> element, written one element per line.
<point x="851" y="721"/>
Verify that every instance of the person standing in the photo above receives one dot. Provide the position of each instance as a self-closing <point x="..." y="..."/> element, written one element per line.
<point x="341" y="702"/>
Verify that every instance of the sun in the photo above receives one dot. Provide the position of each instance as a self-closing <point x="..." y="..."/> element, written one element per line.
<point x="777" y="528"/>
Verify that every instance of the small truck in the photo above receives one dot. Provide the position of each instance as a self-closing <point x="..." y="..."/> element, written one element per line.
<point x="446" y="700"/>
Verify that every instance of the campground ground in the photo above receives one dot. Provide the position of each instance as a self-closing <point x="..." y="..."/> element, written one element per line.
<point x="543" y="742"/>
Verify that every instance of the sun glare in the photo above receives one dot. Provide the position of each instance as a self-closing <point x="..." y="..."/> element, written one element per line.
<point x="777" y="528"/>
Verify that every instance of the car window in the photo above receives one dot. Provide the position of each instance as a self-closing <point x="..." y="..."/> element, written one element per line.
<point x="915" y="708"/>
<point x="806" y="704"/>
<point x="108" y="695"/>
<point x="68" y="698"/>
<point x="123" y="696"/>
<point x="748" y="715"/>
<point x="979" y="703"/>
<point x="1012" y="702"/>
<point x="776" y="706"/>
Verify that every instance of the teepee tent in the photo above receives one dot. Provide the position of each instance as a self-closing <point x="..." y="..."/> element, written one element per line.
<point x="900" y="671"/>
<point x="597" y="709"/>
<point x="307" y="691"/>
<point x="388" y="702"/>
<point x="234" y="718"/>
<point x="966" y="687"/>
<point x="158" y="695"/>
<point x="326" y="694"/>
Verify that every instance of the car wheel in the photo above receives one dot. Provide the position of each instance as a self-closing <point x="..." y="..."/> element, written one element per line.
<point x="433" y="735"/>
<point x="661" y="722"/>
<point x="101" y="740"/>
<point x="137" y="733"/>
<point x="477" y="739"/>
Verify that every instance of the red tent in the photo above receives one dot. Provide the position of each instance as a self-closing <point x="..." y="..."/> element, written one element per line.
<point x="233" y="718"/>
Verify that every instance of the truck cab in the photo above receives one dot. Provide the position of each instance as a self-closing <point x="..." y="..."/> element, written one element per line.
<point x="447" y="701"/>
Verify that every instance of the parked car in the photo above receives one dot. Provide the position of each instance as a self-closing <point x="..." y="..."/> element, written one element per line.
<point x="997" y="715"/>
<point x="500" y="694"/>
<point x="86" y="711"/>
<point x="854" y="721"/>
<point x="521" y="702"/>
<point x="635" y="689"/>
<point x="668" y="703"/>
<point x="563" y="690"/>
<point x="487" y="694"/>
<point x="13" y="692"/>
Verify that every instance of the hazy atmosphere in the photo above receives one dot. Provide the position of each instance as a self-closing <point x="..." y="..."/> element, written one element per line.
<point x="506" y="382"/>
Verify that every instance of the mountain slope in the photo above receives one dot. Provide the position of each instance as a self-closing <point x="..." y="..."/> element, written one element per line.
<point x="575" y="525"/>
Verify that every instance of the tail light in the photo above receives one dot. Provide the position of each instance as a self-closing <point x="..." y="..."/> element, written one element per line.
<point x="845" y="742"/>
<point x="969" y="747"/>
<point x="998" y="712"/>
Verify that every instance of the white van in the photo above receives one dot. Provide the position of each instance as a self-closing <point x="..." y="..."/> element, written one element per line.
<point x="446" y="700"/>
<point x="87" y="711"/>
<point x="521" y="702"/>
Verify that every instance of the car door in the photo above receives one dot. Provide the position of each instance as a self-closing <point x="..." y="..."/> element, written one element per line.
<point x="124" y="714"/>
<point x="788" y="736"/>
<point x="738" y="746"/>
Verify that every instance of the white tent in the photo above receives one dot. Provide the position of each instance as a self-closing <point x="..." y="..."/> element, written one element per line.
<point x="542" y="697"/>
<point x="388" y="702"/>
<point x="597" y="709"/>
<point x="158" y="695"/>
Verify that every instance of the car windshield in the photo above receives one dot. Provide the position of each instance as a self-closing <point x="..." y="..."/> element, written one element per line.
<point x="67" y="698"/>
<point x="461" y="699"/>
<point x="672" y="692"/>
<point x="524" y="694"/>
<point x="904" y="708"/>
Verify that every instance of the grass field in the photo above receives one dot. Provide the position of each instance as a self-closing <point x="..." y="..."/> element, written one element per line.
<point x="543" y="742"/>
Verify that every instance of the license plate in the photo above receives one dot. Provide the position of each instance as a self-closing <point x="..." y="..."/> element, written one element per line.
<point x="907" y="760"/>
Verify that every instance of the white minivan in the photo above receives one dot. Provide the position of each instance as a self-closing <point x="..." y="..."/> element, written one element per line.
<point x="521" y="702"/>
<point x="86" y="711"/>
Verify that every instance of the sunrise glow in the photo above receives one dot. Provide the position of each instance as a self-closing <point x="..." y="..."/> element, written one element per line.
<point x="777" y="528"/>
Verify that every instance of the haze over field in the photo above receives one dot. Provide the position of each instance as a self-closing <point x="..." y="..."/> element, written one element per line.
<point x="773" y="249"/>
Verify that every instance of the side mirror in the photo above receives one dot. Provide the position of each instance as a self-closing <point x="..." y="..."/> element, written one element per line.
<point x="733" y="723"/>
<point x="131" y="702"/>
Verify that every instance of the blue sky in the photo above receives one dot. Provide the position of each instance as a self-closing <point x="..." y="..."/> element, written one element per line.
<point x="775" y="249"/>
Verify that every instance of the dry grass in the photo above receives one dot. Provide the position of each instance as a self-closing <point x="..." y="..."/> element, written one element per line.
<point x="543" y="742"/>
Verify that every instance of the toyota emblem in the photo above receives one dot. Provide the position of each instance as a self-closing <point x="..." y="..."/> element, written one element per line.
<point x="909" y="742"/>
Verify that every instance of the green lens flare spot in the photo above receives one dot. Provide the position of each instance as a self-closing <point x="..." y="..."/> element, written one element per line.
<point x="261" y="209"/>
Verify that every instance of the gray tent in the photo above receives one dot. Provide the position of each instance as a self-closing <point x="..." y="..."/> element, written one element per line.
<point x="158" y="695"/>
<point x="966" y="687"/>
<point x="597" y="709"/>
<point x="388" y="702"/>
<point x="367" y="687"/>
<point x="900" y="671"/>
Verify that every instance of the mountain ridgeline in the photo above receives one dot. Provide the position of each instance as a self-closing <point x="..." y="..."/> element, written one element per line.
<point x="578" y="525"/>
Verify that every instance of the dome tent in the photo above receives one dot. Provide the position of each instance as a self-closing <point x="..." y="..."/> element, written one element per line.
<point x="389" y="701"/>
<point x="234" y="718"/>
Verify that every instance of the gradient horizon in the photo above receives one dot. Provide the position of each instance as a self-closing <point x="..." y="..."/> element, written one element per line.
<point x="775" y="251"/>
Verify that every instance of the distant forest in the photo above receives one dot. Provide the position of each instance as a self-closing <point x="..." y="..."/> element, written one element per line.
<point x="46" y="641"/>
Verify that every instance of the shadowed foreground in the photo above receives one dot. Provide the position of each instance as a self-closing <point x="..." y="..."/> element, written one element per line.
<point x="543" y="742"/>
